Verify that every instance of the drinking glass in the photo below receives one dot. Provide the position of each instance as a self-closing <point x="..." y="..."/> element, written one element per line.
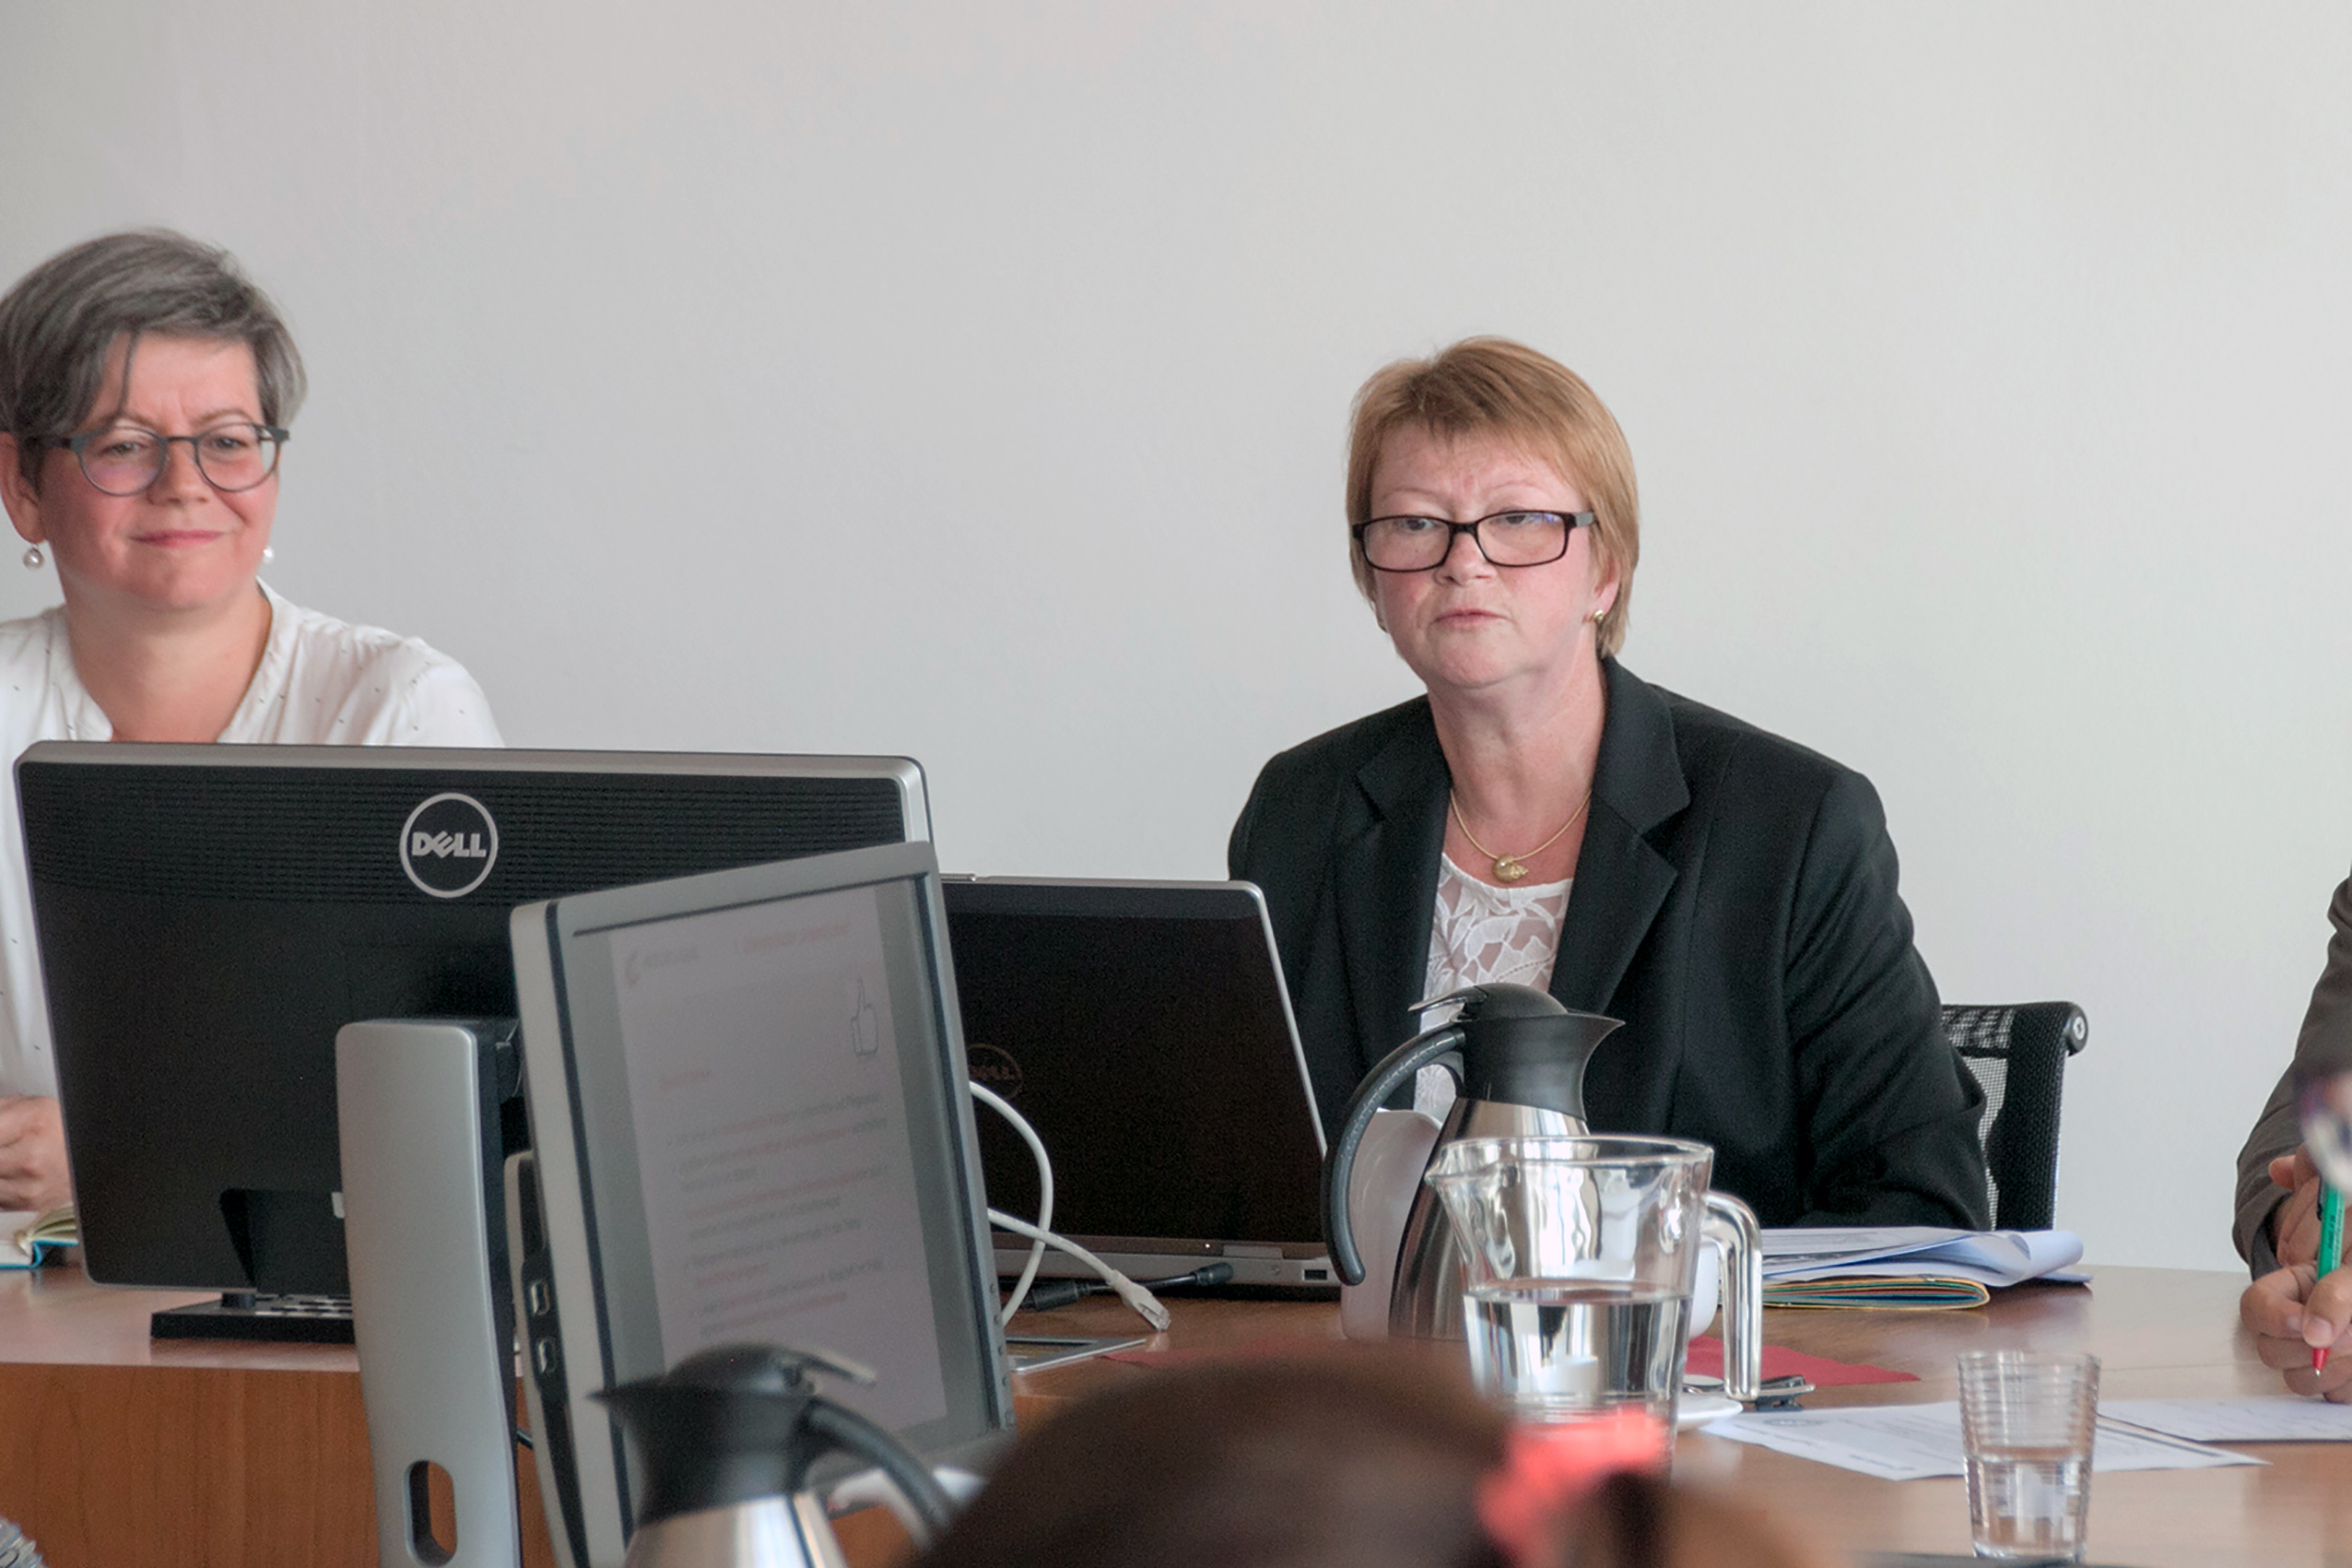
<point x="2026" y="1421"/>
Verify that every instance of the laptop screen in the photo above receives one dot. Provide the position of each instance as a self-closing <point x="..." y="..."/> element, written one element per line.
<point x="1143" y="1030"/>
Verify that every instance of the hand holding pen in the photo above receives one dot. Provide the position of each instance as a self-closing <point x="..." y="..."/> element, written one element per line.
<point x="2331" y="1257"/>
<point x="2294" y="1226"/>
<point x="2297" y="1314"/>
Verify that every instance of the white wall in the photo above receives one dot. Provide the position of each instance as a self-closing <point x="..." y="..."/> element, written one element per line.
<point x="969" y="382"/>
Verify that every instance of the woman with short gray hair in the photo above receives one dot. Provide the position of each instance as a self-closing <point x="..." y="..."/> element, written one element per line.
<point x="114" y="356"/>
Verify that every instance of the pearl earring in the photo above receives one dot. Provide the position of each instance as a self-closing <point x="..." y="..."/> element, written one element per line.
<point x="270" y="552"/>
<point x="34" y="560"/>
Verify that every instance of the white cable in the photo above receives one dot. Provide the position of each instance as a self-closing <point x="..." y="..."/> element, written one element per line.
<point x="997" y="1102"/>
<point x="1042" y="1234"/>
<point x="1144" y="1301"/>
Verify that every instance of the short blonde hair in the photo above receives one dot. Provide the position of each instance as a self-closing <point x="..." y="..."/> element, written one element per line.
<point x="1495" y="387"/>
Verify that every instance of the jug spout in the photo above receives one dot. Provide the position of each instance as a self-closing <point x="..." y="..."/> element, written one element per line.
<point x="1536" y="1061"/>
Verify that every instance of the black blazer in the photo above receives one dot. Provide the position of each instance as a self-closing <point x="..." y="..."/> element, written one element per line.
<point x="1735" y="904"/>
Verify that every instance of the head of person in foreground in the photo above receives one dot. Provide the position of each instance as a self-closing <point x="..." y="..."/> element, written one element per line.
<point x="1355" y="1459"/>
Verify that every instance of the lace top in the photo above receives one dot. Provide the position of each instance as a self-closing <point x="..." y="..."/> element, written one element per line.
<point x="1482" y="933"/>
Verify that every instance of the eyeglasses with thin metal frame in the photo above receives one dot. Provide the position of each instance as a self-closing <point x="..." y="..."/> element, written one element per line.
<point x="1516" y="538"/>
<point x="127" y="459"/>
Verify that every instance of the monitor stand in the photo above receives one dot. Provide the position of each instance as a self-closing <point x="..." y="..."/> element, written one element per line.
<point x="254" y="1315"/>
<point x="418" y="1117"/>
<point x="293" y="1240"/>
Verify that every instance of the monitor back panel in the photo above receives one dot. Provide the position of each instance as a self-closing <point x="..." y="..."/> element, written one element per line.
<point x="210" y="916"/>
<point x="1142" y="1028"/>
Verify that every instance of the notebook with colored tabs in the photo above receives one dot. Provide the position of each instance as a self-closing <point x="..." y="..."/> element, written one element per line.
<point x="1926" y="1293"/>
<point x="27" y="1240"/>
<point x="1913" y="1268"/>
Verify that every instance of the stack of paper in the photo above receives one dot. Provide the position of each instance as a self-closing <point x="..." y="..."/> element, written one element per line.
<point x="2263" y="1418"/>
<point x="1914" y="1266"/>
<point x="1908" y="1442"/>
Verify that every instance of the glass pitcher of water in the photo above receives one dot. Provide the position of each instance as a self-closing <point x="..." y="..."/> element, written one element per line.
<point x="1582" y="1254"/>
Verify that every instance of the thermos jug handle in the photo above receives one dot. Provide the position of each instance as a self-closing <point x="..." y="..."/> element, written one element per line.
<point x="1400" y="1065"/>
<point x="853" y="1433"/>
<point x="1731" y="1225"/>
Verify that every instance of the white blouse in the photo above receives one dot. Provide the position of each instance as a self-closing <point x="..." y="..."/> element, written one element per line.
<point x="321" y="682"/>
<point x="1478" y="934"/>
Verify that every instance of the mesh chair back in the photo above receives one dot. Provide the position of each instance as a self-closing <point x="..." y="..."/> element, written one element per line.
<point x="2018" y="1055"/>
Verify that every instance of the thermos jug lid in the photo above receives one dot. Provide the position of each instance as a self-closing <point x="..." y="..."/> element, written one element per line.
<point x="755" y="1369"/>
<point x="726" y="1425"/>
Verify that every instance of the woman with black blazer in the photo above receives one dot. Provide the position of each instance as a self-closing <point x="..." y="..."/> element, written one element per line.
<point x="1546" y="816"/>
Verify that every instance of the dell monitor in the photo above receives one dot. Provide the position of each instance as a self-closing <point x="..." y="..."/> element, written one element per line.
<point x="209" y="916"/>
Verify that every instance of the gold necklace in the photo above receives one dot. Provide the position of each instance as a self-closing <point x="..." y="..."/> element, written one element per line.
<point x="1510" y="868"/>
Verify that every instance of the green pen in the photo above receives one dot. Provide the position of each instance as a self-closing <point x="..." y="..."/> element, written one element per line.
<point x="2330" y="1249"/>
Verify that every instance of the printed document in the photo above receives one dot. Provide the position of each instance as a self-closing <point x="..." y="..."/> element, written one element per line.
<point x="1991" y="1258"/>
<point x="772" y="1146"/>
<point x="2264" y="1418"/>
<point x="1910" y="1442"/>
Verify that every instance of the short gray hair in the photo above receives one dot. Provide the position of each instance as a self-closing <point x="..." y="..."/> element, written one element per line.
<point x="61" y="320"/>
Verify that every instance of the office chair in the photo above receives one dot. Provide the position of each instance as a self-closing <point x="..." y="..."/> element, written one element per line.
<point x="2018" y="1055"/>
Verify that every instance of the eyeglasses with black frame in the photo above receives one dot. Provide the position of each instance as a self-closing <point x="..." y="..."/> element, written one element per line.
<point x="127" y="459"/>
<point x="1504" y="538"/>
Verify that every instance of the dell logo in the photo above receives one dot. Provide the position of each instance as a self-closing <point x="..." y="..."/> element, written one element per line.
<point x="465" y="847"/>
<point x="994" y="1068"/>
<point x="449" y="844"/>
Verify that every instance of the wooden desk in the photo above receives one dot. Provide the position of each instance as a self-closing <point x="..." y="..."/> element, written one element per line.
<point x="118" y="1452"/>
<point x="2158" y="1332"/>
<point x="121" y="1452"/>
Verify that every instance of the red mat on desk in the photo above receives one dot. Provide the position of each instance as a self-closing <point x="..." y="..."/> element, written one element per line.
<point x="1707" y="1359"/>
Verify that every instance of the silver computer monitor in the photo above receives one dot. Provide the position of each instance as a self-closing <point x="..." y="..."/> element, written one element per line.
<point x="750" y="1122"/>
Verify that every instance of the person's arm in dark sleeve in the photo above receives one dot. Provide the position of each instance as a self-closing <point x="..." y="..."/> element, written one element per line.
<point x="2277" y="1135"/>
<point x="2274" y="1226"/>
<point x="1893" y="1111"/>
<point x="1237" y="846"/>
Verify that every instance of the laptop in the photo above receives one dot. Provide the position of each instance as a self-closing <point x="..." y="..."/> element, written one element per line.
<point x="1143" y="1029"/>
